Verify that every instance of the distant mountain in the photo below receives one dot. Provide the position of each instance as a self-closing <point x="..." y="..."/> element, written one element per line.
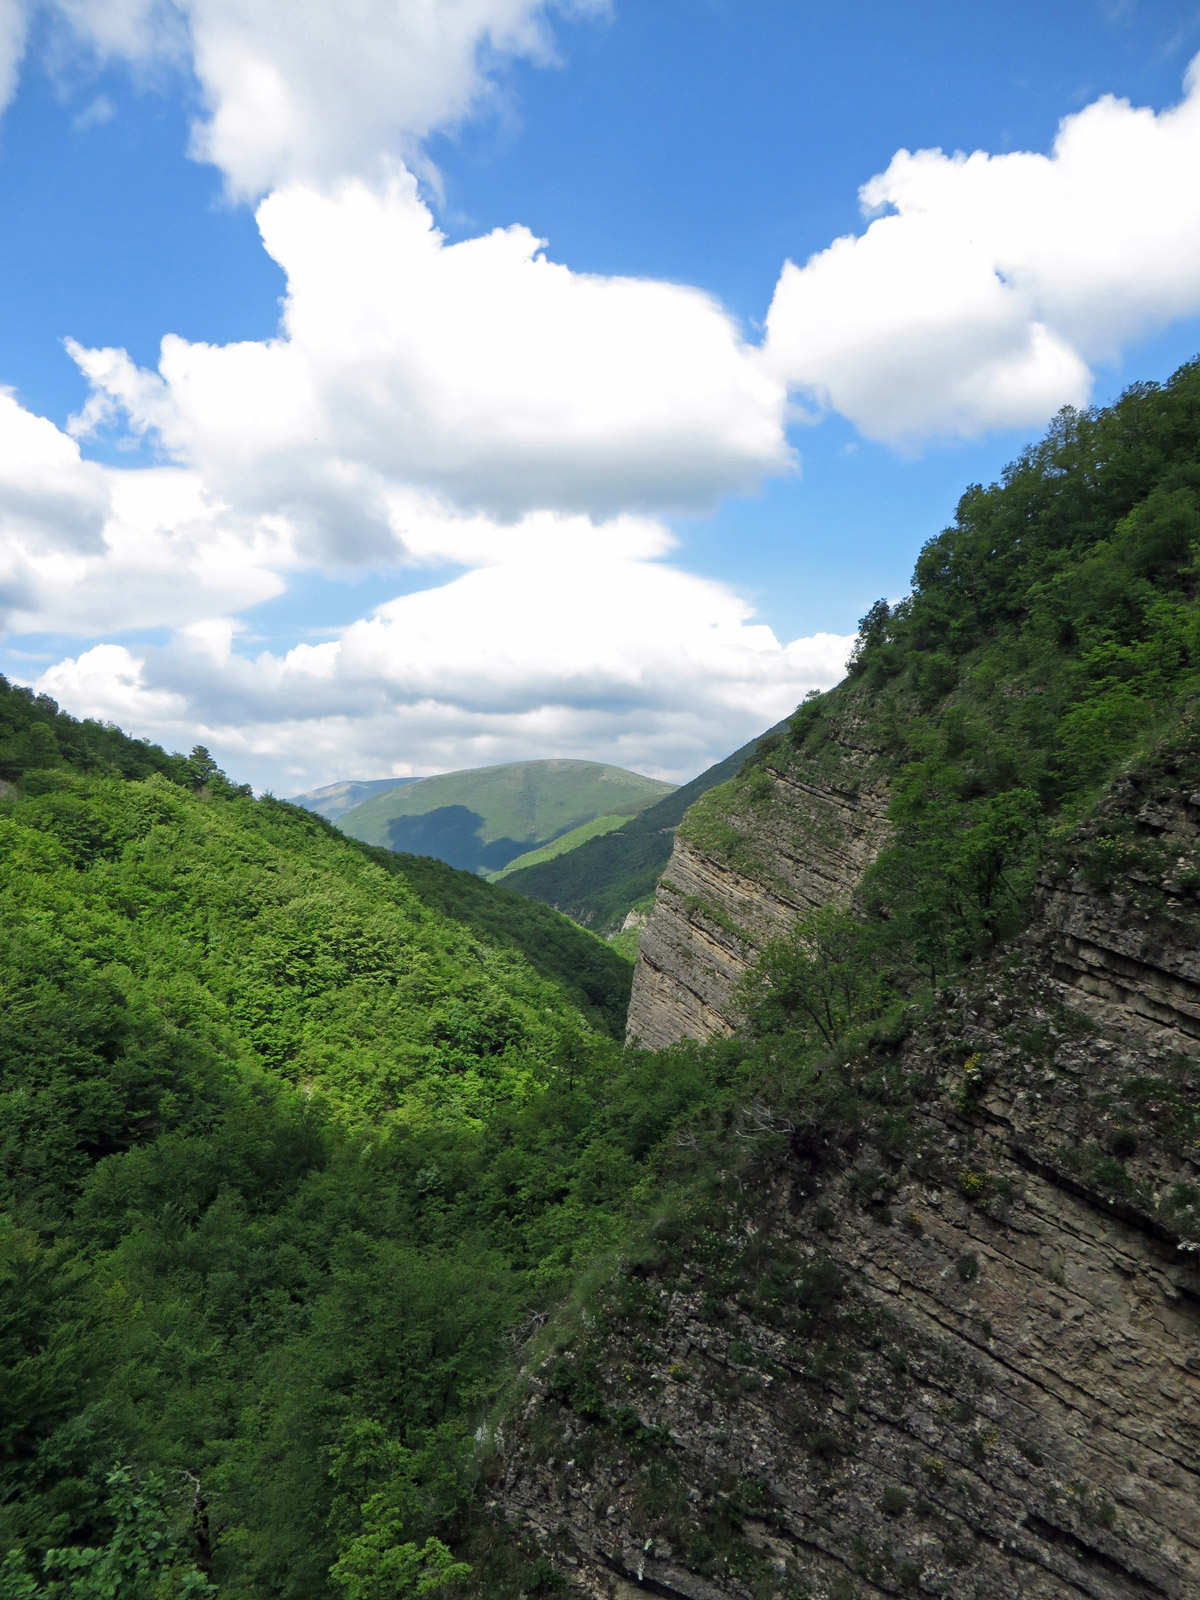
<point x="485" y="817"/>
<point x="600" y="881"/>
<point x="335" y="799"/>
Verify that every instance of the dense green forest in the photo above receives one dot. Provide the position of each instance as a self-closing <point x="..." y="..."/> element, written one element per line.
<point x="301" y="1141"/>
<point x="251" y="1079"/>
<point x="1051" y="633"/>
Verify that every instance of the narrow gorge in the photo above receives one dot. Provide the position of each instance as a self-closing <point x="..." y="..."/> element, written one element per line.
<point x="951" y="1349"/>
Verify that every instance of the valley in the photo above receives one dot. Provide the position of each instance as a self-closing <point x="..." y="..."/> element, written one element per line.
<point x="373" y="1230"/>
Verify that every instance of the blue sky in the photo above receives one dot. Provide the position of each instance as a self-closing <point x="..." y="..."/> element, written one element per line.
<point x="544" y="513"/>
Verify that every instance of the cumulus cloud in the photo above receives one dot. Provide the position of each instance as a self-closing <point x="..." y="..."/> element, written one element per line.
<point x="992" y="284"/>
<point x="564" y="635"/>
<point x="86" y="549"/>
<point x="315" y="91"/>
<point x="482" y="370"/>
<point x="49" y="495"/>
<point x="575" y="641"/>
<point x="481" y="405"/>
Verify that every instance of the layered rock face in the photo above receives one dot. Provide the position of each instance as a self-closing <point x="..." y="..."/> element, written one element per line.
<point x="936" y="1332"/>
<point x="955" y="1352"/>
<point x="749" y="859"/>
<point x="1118" y="918"/>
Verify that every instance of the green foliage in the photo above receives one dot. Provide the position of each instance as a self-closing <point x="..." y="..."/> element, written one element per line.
<point x="377" y="1567"/>
<point x="144" y="1558"/>
<point x="596" y="975"/>
<point x="39" y="744"/>
<point x="293" y="1133"/>
<point x="1051" y="634"/>
<point x="597" y="884"/>
<point x="818" y="980"/>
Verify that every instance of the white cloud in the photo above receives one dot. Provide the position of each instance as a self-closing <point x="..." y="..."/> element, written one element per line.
<point x="482" y="370"/>
<point x="86" y="549"/>
<point x="138" y="31"/>
<point x="108" y="682"/>
<point x="481" y="405"/>
<point x="339" y="85"/>
<point x="312" y="91"/>
<point x="993" y="284"/>
<point x="13" y="29"/>
<point x="579" y="641"/>
<point x="48" y="493"/>
<point x="564" y="635"/>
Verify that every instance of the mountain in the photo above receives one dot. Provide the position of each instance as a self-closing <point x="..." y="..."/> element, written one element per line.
<point x="571" y="840"/>
<point x="335" y="799"/>
<point x="346" y="1255"/>
<point x="485" y="817"/>
<point x="600" y="880"/>
<point x="251" y="1072"/>
<point x="891" y="1328"/>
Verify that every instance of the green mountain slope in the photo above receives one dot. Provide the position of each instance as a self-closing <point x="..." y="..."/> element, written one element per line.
<point x="335" y="799"/>
<point x="557" y="847"/>
<point x="304" y="1157"/>
<point x="594" y="974"/>
<point x="599" y="881"/>
<point x="252" y="1071"/>
<point x="487" y="816"/>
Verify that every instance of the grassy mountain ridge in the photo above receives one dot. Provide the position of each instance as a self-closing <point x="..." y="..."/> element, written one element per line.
<point x="570" y="840"/>
<point x="484" y="817"/>
<point x="602" y="879"/>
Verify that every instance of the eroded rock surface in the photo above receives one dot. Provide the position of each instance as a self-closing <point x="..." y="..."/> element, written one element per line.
<point x="952" y="1350"/>
<point x="748" y="860"/>
<point x="1119" y="913"/>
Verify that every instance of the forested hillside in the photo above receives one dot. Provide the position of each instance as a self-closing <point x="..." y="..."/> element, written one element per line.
<point x="345" y="1252"/>
<point x="1051" y="633"/>
<point x="284" y="1152"/>
<point x="916" y="1308"/>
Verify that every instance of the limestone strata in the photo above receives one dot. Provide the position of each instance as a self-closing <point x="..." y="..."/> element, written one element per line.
<point x="784" y="843"/>
<point x="699" y="939"/>
<point x="1001" y="1400"/>
<point x="1129" y="953"/>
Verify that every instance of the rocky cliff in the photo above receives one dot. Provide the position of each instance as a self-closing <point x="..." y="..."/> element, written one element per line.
<point x="752" y="856"/>
<point x="913" y="1302"/>
<point x="933" y="1325"/>
<point x="1117" y="909"/>
<point x="950" y="1350"/>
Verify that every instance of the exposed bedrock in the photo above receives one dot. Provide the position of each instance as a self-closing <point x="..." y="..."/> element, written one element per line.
<point x="750" y="859"/>
<point x="1128" y="951"/>
<point x="1001" y="1400"/>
